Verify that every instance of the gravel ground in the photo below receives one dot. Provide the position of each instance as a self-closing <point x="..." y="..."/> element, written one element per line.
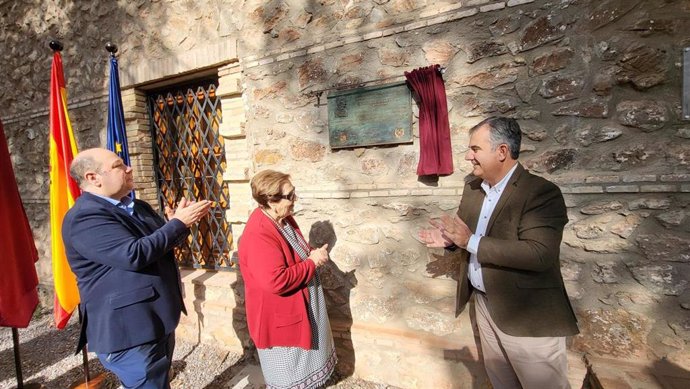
<point x="48" y="359"/>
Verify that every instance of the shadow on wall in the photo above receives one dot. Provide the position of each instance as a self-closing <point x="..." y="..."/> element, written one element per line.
<point x="446" y="264"/>
<point x="239" y="325"/>
<point x="337" y="286"/>
<point x="669" y="374"/>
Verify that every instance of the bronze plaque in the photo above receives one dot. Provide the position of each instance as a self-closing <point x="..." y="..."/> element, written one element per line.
<point x="376" y="115"/>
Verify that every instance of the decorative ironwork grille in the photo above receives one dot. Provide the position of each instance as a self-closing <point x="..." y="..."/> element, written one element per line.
<point x="189" y="163"/>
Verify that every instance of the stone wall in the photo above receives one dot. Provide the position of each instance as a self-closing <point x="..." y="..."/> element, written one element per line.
<point x="596" y="86"/>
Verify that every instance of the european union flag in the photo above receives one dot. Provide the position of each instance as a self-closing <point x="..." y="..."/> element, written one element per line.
<point x="116" y="131"/>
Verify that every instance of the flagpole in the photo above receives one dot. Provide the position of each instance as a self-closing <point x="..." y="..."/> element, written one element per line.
<point x="17" y="358"/>
<point x="56" y="45"/>
<point x="18" y="364"/>
<point x="85" y="357"/>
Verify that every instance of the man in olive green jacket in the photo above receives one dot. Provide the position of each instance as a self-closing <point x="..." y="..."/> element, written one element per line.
<point x="509" y="227"/>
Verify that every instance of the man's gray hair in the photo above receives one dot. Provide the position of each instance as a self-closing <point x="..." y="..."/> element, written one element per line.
<point x="503" y="130"/>
<point x="80" y="165"/>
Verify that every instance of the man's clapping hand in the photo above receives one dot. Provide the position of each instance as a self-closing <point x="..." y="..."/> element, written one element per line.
<point x="189" y="212"/>
<point x="447" y="230"/>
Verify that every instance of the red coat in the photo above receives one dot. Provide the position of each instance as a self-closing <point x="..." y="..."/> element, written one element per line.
<point x="275" y="285"/>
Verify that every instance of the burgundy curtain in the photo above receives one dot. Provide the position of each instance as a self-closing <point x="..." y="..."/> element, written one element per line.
<point x="435" y="155"/>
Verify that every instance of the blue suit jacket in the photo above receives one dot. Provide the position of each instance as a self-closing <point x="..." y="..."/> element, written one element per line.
<point x="126" y="272"/>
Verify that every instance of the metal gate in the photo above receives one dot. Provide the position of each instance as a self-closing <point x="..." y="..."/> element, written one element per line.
<point x="189" y="159"/>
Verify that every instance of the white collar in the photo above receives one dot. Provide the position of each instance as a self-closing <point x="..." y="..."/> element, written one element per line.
<point x="501" y="184"/>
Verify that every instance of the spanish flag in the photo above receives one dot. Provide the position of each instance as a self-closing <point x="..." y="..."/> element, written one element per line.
<point x="63" y="192"/>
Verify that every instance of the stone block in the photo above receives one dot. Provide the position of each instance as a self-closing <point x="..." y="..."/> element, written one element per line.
<point x="492" y="7"/>
<point x="569" y="180"/>
<point x="451" y="7"/>
<point x="659" y="278"/>
<point x="474" y="3"/>
<point x="647" y="115"/>
<point x="552" y="161"/>
<point x="421" y="192"/>
<point x="593" y="108"/>
<point x="316" y="49"/>
<point x="483" y="49"/>
<point x="463" y="14"/>
<point x="229" y="85"/>
<point x="340" y="195"/>
<point x="639" y="178"/>
<point x="352" y="39"/>
<point x="665" y="247"/>
<point x="430" y="12"/>
<point x="675" y="177"/>
<point x="622" y="189"/>
<point x="658" y="188"/>
<point x="373" y="35"/>
<point x="379" y="193"/>
<point x="513" y="3"/>
<point x="439" y="51"/>
<point x="642" y="66"/>
<point x="649" y="203"/>
<point x="583" y="189"/>
<point x="444" y="192"/>
<point x="588" y="135"/>
<point x="542" y="30"/>
<point x="601" y="179"/>
<point x="416" y="25"/>
<point x="492" y="77"/>
<point x="613" y="333"/>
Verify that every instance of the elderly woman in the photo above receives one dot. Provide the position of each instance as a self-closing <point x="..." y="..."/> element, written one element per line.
<point x="286" y="311"/>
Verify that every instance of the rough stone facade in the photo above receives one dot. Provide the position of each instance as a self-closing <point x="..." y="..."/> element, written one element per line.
<point x="596" y="86"/>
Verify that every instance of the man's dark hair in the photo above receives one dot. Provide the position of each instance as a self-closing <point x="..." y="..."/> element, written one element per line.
<point x="503" y="130"/>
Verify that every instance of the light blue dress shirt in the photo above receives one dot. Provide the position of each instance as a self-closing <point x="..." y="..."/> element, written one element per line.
<point x="125" y="203"/>
<point x="493" y="194"/>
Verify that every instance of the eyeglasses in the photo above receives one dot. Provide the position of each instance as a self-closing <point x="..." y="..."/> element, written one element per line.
<point x="290" y="196"/>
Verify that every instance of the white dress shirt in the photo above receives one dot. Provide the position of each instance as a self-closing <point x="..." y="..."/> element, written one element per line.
<point x="492" y="195"/>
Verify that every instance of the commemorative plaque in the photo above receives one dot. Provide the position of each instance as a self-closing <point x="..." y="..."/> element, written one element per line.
<point x="370" y="116"/>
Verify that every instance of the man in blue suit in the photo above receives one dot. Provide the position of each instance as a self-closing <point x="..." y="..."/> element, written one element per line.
<point x="122" y="254"/>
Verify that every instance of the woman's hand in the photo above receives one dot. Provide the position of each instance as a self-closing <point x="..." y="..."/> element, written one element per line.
<point x="319" y="256"/>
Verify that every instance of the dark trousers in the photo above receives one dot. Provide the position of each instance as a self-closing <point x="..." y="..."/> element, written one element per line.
<point x="146" y="366"/>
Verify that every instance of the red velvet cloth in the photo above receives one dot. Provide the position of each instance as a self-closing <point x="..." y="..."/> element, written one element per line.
<point x="18" y="280"/>
<point x="435" y="154"/>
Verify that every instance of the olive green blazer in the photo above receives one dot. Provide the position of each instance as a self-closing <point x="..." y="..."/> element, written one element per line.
<point x="519" y="255"/>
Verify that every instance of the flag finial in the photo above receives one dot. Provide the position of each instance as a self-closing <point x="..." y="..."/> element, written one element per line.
<point x="112" y="48"/>
<point x="55" y="45"/>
